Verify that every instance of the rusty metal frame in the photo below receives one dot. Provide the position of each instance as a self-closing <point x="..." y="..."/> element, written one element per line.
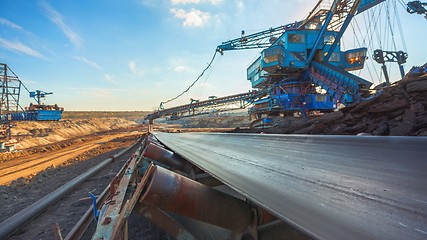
<point x="82" y="225"/>
<point x="110" y="224"/>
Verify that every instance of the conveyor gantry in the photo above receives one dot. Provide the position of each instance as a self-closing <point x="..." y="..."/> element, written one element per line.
<point x="212" y="105"/>
<point x="264" y="186"/>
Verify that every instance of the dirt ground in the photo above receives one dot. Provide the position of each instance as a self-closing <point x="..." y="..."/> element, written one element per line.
<point x="22" y="191"/>
<point x="32" y="133"/>
<point x="53" y="153"/>
<point x="28" y="166"/>
<point x="68" y="210"/>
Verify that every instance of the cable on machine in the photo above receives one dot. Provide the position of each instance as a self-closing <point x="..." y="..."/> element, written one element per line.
<point x="192" y="84"/>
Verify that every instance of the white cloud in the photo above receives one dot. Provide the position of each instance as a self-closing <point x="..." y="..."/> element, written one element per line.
<point x="240" y="4"/>
<point x="182" y="68"/>
<point x="57" y="18"/>
<point x="178" y="2"/>
<point x="10" y="24"/>
<point x="194" y="17"/>
<point x="88" y="62"/>
<point x="134" y="68"/>
<point x="215" y="2"/>
<point x="110" y="78"/>
<point x="20" y="47"/>
<point x="132" y="65"/>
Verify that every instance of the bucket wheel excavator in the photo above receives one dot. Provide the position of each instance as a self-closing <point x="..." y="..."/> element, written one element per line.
<point x="302" y="69"/>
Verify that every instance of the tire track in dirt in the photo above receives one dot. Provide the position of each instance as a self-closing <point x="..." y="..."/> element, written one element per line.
<point x="26" y="166"/>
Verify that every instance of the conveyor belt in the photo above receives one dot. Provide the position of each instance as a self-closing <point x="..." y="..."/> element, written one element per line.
<point x="331" y="187"/>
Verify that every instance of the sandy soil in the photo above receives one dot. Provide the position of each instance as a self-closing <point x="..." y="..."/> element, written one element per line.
<point x="30" y="134"/>
<point x="28" y="166"/>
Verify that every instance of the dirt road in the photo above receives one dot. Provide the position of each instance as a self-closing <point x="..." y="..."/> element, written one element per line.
<point x="29" y="165"/>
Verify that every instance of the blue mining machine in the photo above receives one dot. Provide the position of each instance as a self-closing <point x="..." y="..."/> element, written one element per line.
<point x="10" y="108"/>
<point x="303" y="57"/>
<point x="302" y="69"/>
<point x="37" y="112"/>
<point x="42" y="112"/>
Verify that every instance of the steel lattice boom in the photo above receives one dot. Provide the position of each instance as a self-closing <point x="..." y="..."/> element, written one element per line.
<point x="238" y="101"/>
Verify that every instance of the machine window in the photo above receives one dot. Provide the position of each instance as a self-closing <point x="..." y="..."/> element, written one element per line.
<point x="296" y="38"/>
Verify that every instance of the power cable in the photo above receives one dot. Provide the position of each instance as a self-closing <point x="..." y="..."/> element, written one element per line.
<point x="204" y="85"/>
<point x="400" y="29"/>
<point x="390" y="25"/>
<point x="403" y="4"/>
<point x="192" y="84"/>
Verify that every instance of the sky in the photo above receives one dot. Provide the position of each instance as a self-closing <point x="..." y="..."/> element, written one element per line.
<point x="130" y="55"/>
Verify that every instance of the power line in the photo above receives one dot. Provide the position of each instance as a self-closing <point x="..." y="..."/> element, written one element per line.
<point x="192" y="84"/>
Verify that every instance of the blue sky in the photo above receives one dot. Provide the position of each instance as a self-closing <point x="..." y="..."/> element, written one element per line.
<point x="133" y="54"/>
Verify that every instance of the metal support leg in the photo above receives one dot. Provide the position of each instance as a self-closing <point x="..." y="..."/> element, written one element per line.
<point x="387" y="79"/>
